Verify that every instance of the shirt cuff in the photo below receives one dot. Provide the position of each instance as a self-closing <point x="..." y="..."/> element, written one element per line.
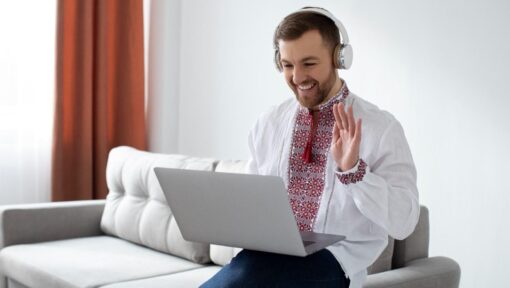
<point x="353" y="175"/>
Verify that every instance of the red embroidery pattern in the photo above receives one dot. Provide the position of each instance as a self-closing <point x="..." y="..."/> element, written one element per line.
<point x="306" y="180"/>
<point x="354" y="176"/>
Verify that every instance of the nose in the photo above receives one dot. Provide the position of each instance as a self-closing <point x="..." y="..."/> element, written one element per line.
<point x="298" y="75"/>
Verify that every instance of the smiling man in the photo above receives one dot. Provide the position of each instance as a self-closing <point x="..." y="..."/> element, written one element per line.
<point x="343" y="176"/>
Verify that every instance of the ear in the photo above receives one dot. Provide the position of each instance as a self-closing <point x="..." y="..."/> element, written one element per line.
<point x="277" y="62"/>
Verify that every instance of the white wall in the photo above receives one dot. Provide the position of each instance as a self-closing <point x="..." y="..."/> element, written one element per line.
<point x="441" y="67"/>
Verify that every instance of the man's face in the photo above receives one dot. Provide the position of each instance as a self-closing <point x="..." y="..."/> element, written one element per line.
<point x="308" y="68"/>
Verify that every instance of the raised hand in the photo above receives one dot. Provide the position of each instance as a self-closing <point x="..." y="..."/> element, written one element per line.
<point x="346" y="138"/>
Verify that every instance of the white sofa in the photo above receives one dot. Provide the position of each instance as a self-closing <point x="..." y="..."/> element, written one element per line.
<point x="131" y="239"/>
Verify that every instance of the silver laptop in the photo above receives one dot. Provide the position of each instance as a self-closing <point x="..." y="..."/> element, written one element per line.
<point x="238" y="210"/>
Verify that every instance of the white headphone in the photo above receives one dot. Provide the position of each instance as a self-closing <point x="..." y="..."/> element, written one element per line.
<point x="342" y="54"/>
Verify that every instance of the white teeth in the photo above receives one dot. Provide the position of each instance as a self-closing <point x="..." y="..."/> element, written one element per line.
<point x="306" y="87"/>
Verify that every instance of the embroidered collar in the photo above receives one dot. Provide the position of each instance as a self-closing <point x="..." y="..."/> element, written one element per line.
<point x="323" y="108"/>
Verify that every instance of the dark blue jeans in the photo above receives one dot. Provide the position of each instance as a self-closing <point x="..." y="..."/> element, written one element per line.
<point x="260" y="269"/>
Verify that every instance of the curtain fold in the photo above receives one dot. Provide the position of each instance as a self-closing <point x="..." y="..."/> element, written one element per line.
<point x="99" y="92"/>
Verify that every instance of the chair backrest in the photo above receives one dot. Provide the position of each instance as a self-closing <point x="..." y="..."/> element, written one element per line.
<point x="399" y="252"/>
<point x="415" y="246"/>
<point x="384" y="261"/>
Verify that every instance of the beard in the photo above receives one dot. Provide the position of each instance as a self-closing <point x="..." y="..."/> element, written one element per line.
<point x="316" y="95"/>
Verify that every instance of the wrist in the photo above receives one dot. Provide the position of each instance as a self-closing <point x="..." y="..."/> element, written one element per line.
<point x="353" y="175"/>
<point x="349" y="166"/>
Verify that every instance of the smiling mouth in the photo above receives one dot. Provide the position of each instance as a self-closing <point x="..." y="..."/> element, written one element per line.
<point x="306" y="87"/>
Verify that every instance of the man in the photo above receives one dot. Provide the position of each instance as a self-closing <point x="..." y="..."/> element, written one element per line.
<point x="344" y="176"/>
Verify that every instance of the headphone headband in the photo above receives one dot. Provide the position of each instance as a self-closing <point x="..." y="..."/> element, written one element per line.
<point x="344" y="37"/>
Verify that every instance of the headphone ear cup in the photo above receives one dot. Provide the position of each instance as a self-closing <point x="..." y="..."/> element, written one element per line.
<point x="342" y="56"/>
<point x="277" y="60"/>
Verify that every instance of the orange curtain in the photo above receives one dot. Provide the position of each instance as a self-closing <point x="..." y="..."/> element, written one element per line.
<point x="99" y="92"/>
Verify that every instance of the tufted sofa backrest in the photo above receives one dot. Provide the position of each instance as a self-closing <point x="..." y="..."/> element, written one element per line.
<point x="136" y="209"/>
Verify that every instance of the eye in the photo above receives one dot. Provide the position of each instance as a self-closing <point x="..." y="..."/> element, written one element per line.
<point x="287" y="65"/>
<point x="309" y="64"/>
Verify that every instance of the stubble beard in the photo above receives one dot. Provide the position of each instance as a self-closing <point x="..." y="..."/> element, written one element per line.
<point x="321" y="95"/>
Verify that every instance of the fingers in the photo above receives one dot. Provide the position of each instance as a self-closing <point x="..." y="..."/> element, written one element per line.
<point x="351" y="121"/>
<point x="357" y="134"/>
<point x="343" y="117"/>
<point x="336" y="133"/>
<point x="338" y="120"/>
<point x="345" y="120"/>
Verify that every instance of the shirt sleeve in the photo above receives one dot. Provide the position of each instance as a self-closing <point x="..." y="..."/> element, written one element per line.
<point x="385" y="189"/>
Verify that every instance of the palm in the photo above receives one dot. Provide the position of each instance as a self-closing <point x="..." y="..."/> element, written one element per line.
<point x="346" y="138"/>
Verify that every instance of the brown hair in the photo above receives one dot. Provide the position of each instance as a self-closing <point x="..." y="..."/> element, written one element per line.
<point x="296" y="24"/>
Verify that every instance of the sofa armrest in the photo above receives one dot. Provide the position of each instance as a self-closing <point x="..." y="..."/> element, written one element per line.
<point x="30" y="223"/>
<point x="424" y="273"/>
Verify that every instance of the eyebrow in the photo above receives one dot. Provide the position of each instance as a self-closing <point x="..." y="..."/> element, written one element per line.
<point x="304" y="59"/>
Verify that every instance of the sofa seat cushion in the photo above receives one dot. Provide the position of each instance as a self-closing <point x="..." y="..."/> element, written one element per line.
<point x="86" y="262"/>
<point x="190" y="278"/>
